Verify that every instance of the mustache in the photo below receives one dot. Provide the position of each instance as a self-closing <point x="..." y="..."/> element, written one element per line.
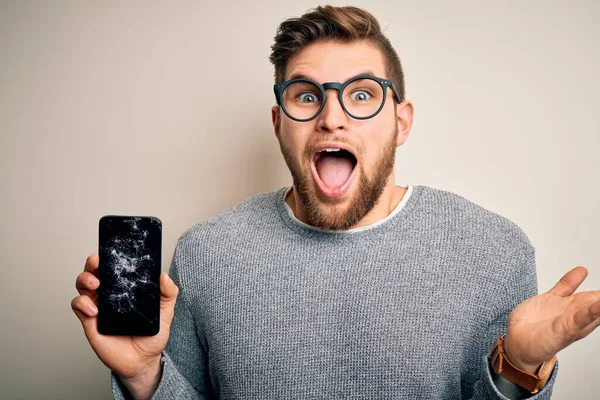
<point x="311" y="147"/>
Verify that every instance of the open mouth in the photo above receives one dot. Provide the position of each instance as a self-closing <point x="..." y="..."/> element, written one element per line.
<point x="334" y="170"/>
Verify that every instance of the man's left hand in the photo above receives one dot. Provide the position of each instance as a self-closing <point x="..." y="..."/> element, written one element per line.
<point x="545" y="324"/>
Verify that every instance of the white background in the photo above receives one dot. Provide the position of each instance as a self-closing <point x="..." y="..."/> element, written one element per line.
<point x="163" y="108"/>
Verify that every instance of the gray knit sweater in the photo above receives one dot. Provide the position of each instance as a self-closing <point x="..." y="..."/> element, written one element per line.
<point x="408" y="308"/>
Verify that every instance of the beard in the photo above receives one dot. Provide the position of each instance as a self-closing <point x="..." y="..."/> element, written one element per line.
<point x="362" y="201"/>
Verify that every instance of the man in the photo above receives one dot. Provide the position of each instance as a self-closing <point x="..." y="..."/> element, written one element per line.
<point x="346" y="285"/>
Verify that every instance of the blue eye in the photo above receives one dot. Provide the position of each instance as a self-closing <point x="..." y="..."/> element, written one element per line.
<point x="360" y="95"/>
<point x="308" y="98"/>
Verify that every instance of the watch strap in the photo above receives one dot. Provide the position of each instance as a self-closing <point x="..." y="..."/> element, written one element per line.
<point x="503" y="367"/>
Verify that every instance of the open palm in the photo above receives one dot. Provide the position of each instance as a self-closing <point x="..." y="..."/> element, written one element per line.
<point x="543" y="325"/>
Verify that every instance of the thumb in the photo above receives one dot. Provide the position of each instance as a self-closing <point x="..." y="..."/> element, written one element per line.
<point x="168" y="297"/>
<point x="568" y="284"/>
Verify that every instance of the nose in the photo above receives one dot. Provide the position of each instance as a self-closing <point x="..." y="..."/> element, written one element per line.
<point x="332" y="116"/>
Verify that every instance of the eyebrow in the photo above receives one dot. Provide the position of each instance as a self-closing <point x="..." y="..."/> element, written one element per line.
<point x="304" y="76"/>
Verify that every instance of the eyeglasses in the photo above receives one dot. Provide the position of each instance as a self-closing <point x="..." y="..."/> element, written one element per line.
<point x="361" y="97"/>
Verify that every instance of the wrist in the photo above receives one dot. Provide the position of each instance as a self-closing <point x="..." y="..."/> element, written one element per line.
<point x="517" y="362"/>
<point x="144" y="384"/>
<point x="532" y="369"/>
<point x="532" y="381"/>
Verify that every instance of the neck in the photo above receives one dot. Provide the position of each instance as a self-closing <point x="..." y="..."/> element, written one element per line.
<point x="389" y="200"/>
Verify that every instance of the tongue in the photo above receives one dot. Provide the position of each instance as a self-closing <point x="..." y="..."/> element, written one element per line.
<point x="334" y="171"/>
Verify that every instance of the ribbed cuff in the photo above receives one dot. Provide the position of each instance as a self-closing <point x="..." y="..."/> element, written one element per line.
<point x="507" y="390"/>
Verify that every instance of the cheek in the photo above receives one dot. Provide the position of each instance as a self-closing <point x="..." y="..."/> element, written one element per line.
<point x="375" y="141"/>
<point x="294" y="138"/>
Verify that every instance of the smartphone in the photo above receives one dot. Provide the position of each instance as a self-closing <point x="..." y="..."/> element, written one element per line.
<point x="129" y="250"/>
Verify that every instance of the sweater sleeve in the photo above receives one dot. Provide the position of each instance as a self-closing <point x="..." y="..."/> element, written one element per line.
<point x="519" y="287"/>
<point x="184" y="361"/>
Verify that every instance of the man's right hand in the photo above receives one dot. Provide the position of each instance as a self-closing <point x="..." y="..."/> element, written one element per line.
<point x="135" y="359"/>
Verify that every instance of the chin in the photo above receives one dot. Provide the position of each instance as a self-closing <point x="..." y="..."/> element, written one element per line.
<point x="338" y="213"/>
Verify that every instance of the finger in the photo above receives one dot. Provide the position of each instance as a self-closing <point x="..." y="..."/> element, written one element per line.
<point x="168" y="297"/>
<point x="595" y="310"/>
<point x="91" y="264"/>
<point x="569" y="283"/>
<point x="86" y="283"/>
<point x="83" y="306"/>
<point x="87" y="313"/>
<point x="587" y="314"/>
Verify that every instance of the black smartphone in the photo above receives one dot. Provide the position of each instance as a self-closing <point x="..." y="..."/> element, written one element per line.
<point x="129" y="271"/>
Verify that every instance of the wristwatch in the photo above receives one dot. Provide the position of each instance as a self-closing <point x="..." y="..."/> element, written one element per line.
<point x="503" y="367"/>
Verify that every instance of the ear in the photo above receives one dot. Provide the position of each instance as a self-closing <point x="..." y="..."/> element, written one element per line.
<point x="404" y="112"/>
<point x="276" y="118"/>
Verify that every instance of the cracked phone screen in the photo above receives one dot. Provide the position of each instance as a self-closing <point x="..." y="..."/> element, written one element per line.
<point x="129" y="273"/>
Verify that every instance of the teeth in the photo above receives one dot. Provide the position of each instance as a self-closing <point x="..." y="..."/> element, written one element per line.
<point x="329" y="150"/>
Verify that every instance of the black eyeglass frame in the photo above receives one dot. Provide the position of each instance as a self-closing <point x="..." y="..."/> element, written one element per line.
<point x="279" y="88"/>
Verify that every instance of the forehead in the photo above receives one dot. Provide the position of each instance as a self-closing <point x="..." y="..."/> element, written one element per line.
<point x="337" y="62"/>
